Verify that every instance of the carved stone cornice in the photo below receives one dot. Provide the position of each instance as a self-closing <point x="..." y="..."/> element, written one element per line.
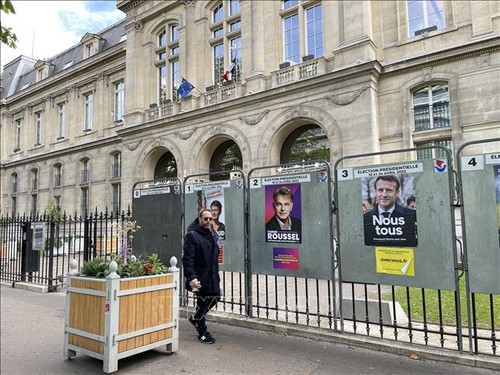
<point x="346" y="99"/>
<point x="254" y="119"/>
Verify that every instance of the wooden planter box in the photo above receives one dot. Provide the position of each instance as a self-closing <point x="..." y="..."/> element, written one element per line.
<point x="113" y="318"/>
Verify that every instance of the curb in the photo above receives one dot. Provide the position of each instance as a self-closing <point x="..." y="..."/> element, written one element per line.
<point x="367" y="342"/>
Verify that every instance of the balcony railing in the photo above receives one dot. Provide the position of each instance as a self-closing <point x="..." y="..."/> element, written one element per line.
<point x="222" y="94"/>
<point x="163" y="110"/>
<point x="298" y="72"/>
<point x="233" y="90"/>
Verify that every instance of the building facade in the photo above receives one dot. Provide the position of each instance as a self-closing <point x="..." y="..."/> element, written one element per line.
<point x="266" y="83"/>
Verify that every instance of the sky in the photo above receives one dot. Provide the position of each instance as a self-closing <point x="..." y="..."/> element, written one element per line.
<point x="46" y="28"/>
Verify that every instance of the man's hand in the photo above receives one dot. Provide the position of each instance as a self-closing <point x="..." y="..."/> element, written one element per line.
<point x="195" y="284"/>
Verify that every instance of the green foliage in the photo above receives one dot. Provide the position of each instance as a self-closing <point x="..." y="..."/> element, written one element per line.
<point x="6" y="35"/>
<point x="54" y="212"/>
<point x="308" y="146"/>
<point x="482" y="305"/>
<point x="140" y="266"/>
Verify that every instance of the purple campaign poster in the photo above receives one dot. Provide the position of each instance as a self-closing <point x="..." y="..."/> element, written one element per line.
<point x="283" y="213"/>
<point x="285" y="258"/>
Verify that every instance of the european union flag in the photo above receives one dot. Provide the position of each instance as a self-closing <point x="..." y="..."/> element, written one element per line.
<point x="184" y="89"/>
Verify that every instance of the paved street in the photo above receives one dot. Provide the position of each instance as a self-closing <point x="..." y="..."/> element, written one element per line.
<point x="32" y="343"/>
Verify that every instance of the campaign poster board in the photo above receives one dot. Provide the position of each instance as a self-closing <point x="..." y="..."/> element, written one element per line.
<point x="226" y="201"/>
<point x="157" y="210"/>
<point x="480" y="176"/>
<point x="395" y="224"/>
<point x="290" y="226"/>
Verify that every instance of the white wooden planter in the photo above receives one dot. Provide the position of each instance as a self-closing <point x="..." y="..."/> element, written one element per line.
<point x="114" y="318"/>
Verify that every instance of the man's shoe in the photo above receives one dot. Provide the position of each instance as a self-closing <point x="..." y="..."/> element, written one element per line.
<point x="193" y="322"/>
<point x="206" y="338"/>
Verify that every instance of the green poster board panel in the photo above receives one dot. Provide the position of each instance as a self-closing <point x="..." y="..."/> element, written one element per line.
<point x="157" y="209"/>
<point x="481" y="209"/>
<point x="412" y="244"/>
<point x="226" y="200"/>
<point x="301" y="245"/>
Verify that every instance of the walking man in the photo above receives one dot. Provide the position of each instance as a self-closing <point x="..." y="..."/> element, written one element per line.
<point x="201" y="270"/>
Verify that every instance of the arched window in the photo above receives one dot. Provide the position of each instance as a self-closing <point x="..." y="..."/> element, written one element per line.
<point x="307" y="143"/>
<point x="226" y="157"/>
<point x="166" y="167"/>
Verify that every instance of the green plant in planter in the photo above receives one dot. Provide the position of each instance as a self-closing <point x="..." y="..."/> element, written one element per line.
<point x="134" y="267"/>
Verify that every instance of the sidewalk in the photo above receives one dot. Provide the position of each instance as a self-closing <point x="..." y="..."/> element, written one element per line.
<point x="32" y="343"/>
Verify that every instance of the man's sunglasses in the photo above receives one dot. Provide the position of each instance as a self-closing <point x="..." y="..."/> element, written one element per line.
<point x="207" y="218"/>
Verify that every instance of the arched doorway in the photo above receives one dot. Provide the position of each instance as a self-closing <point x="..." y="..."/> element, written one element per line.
<point x="165" y="167"/>
<point x="306" y="143"/>
<point x="226" y="157"/>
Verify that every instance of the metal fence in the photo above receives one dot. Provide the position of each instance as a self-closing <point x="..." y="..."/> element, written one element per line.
<point x="66" y="237"/>
<point x="423" y="316"/>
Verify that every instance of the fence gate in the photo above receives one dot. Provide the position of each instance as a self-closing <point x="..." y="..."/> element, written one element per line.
<point x="157" y="208"/>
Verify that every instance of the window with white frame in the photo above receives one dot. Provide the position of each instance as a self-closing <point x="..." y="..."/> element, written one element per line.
<point x="117" y="197"/>
<point x="61" y="129"/>
<point x="17" y="141"/>
<point x="425" y="16"/>
<point x="226" y="42"/>
<point x="167" y="63"/>
<point x="433" y="153"/>
<point x="119" y="101"/>
<point x="89" y="111"/>
<point x="431" y="107"/>
<point x="116" y="166"/>
<point x="289" y="3"/>
<point x="89" y="49"/>
<point x="302" y="30"/>
<point x="38" y="128"/>
<point x="57" y="175"/>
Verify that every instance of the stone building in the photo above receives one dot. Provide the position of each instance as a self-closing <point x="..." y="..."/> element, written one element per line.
<point x="273" y="82"/>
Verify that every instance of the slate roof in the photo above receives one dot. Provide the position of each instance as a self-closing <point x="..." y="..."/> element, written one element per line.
<point x="20" y="74"/>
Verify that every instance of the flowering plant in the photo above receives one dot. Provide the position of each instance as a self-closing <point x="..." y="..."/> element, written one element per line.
<point x="124" y="231"/>
<point x="128" y="264"/>
<point x="134" y="267"/>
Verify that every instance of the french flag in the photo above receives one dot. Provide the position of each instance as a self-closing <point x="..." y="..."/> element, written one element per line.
<point x="228" y="74"/>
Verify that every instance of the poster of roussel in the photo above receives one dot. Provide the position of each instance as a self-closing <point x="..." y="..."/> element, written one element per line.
<point x="283" y="213"/>
<point x="389" y="205"/>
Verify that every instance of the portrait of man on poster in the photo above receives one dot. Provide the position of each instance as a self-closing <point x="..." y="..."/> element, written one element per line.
<point x="390" y="222"/>
<point x="283" y="227"/>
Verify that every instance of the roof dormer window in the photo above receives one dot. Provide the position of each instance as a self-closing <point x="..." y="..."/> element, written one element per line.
<point x="42" y="70"/>
<point x="91" y="44"/>
<point x="89" y="49"/>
